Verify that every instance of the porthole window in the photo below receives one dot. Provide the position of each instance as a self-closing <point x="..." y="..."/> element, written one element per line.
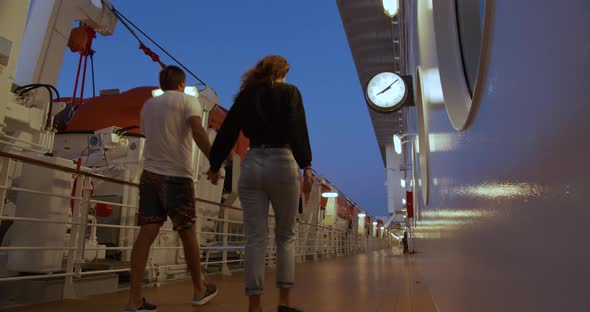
<point x="470" y="15"/>
<point x="460" y="44"/>
<point x="422" y="142"/>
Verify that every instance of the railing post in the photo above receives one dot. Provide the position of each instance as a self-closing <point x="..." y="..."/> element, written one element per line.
<point x="225" y="268"/>
<point x="198" y="231"/>
<point x="6" y="169"/>
<point x="298" y="243"/>
<point x="336" y="240"/>
<point x="316" y="242"/>
<point x="333" y="241"/>
<point x="69" y="291"/>
<point x="329" y="251"/>
<point x="130" y="197"/>
<point x="347" y="244"/>
<point x="340" y="243"/>
<point x="84" y="210"/>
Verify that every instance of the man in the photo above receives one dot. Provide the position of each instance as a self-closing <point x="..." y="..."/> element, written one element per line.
<point x="169" y="123"/>
<point x="405" y="242"/>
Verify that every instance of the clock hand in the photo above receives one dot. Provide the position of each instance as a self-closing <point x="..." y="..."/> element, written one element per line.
<point x="388" y="87"/>
<point x="384" y="90"/>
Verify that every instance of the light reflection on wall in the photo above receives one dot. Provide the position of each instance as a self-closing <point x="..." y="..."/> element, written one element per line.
<point x="456" y="214"/>
<point x="433" y="93"/>
<point x="500" y="190"/>
<point x="445" y="220"/>
<point x="436" y="221"/>
<point x="442" y="142"/>
<point x="431" y="229"/>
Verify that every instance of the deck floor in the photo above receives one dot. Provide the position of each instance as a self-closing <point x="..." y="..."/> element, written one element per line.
<point x="374" y="282"/>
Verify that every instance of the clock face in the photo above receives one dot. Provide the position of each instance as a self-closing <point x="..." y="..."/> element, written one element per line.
<point x="386" y="91"/>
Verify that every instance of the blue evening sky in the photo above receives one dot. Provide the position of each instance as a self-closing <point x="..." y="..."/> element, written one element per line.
<point x="219" y="40"/>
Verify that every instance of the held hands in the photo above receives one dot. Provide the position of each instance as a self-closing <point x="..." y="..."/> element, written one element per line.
<point x="213" y="176"/>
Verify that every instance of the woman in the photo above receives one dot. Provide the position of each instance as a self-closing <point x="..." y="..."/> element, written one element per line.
<point x="270" y="113"/>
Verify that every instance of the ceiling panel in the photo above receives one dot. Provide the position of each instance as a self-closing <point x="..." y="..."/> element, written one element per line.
<point x="374" y="43"/>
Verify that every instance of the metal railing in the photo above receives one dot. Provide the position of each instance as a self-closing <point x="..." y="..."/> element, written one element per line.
<point x="222" y="247"/>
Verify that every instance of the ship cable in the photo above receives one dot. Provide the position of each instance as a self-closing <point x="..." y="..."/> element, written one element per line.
<point x="128" y="23"/>
<point x="84" y="54"/>
<point x="27" y="88"/>
<point x="92" y="71"/>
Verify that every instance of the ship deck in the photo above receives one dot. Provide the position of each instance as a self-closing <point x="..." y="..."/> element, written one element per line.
<point x="376" y="281"/>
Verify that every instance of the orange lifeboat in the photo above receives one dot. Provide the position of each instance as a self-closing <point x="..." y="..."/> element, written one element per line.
<point x="123" y="110"/>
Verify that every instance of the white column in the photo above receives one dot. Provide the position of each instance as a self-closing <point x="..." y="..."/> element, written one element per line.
<point x="394" y="197"/>
<point x="13" y="15"/>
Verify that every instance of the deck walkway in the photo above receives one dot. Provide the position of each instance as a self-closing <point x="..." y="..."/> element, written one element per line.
<point x="375" y="282"/>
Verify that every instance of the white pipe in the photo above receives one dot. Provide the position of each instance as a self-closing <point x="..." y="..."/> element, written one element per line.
<point x="94" y="201"/>
<point x="22" y="147"/>
<point x="19" y="189"/>
<point x="37" y="248"/>
<point x="124" y="235"/>
<point x="4" y="135"/>
<point x="34" y="277"/>
<point x="38" y="220"/>
<point x="92" y="221"/>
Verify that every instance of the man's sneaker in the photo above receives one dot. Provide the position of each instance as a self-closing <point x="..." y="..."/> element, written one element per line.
<point x="287" y="309"/>
<point x="144" y="307"/>
<point x="210" y="293"/>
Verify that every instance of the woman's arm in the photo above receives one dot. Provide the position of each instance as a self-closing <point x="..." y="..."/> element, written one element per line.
<point x="226" y="137"/>
<point x="297" y="130"/>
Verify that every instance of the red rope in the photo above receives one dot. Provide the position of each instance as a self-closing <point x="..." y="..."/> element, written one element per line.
<point x="83" y="55"/>
<point x="83" y="80"/>
<point x="77" y="78"/>
<point x="155" y="57"/>
<point x="76" y="101"/>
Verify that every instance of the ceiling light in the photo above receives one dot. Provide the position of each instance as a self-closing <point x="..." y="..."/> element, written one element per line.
<point x="391" y="7"/>
<point x="190" y="90"/>
<point x="397" y="144"/>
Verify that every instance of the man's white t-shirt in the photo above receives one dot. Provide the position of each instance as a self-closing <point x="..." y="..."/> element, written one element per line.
<point x="168" y="138"/>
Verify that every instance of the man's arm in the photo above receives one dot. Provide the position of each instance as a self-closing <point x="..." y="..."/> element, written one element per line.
<point x="199" y="135"/>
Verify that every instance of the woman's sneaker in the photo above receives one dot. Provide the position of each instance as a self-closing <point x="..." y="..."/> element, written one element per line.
<point x="144" y="307"/>
<point x="210" y="293"/>
<point x="287" y="309"/>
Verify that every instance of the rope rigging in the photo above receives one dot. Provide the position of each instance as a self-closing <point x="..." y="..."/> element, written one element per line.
<point x="84" y="47"/>
<point x="128" y="24"/>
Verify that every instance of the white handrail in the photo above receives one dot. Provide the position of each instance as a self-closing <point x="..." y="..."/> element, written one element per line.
<point x="227" y="248"/>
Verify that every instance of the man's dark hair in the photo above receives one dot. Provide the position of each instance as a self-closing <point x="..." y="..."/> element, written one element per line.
<point x="171" y="78"/>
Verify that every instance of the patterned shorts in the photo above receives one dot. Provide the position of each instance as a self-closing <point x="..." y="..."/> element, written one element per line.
<point x="165" y="196"/>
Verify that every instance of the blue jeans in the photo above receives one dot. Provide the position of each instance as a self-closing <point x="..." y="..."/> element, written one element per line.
<point x="269" y="175"/>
